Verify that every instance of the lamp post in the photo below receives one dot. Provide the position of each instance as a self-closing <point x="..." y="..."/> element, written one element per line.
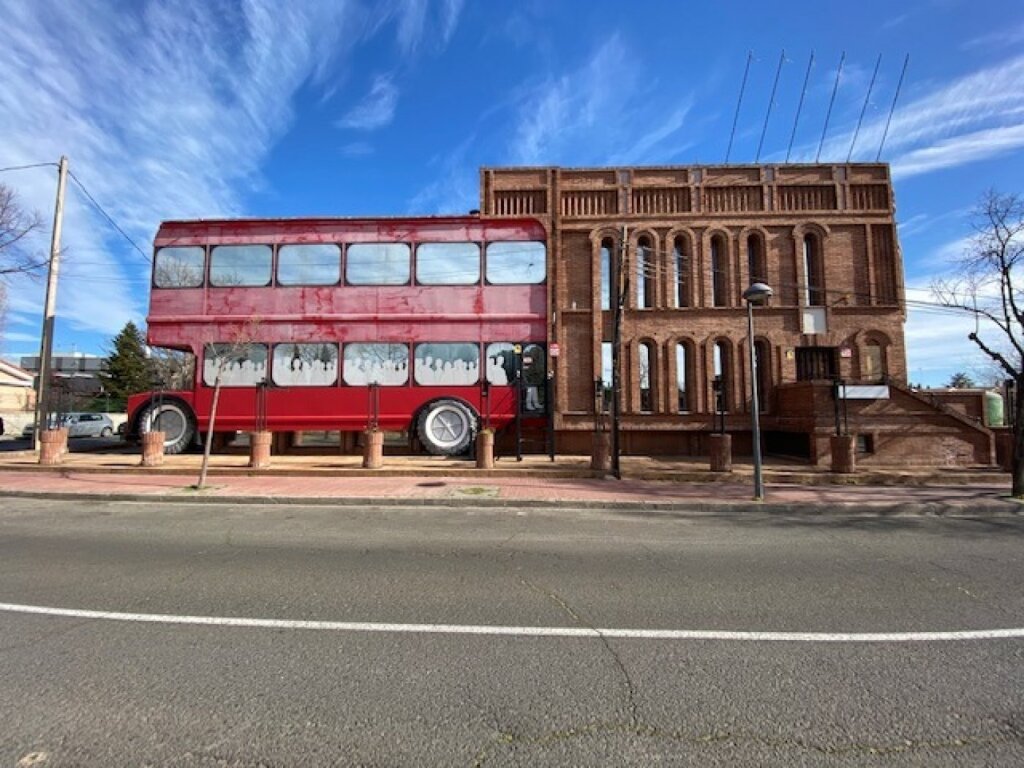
<point x="757" y="293"/>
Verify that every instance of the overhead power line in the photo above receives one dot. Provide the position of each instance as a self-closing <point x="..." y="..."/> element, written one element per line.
<point x="739" y="101"/>
<point x="108" y="217"/>
<point x="26" y="167"/>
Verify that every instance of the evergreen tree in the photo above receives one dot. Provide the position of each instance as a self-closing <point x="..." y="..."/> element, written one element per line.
<point x="127" y="368"/>
<point x="960" y="380"/>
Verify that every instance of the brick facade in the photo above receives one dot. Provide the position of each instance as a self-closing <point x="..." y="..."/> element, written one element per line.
<point x="689" y="238"/>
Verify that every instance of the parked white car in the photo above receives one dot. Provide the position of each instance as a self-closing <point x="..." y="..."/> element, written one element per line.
<point x="80" y="425"/>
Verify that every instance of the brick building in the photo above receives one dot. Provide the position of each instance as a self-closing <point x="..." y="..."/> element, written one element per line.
<point x="689" y="241"/>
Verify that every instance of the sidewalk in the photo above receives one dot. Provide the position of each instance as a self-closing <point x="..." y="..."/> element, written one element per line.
<point x="652" y="484"/>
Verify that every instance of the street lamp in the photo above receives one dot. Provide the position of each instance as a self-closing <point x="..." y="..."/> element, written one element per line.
<point x="757" y="293"/>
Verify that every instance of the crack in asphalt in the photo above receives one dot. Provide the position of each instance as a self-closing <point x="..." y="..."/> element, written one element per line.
<point x="581" y="621"/>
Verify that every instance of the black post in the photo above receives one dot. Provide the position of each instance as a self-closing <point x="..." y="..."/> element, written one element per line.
<point x="846" y="408"/>
<point x="619" y="293"/>
<point x="835" y="400"/>
<point x="519" y="403"/>
<point x="549" y="415"/>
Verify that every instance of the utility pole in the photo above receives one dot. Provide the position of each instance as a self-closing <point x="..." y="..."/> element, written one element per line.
<point x="619" y="293"/>
<point x="50" y="307"/>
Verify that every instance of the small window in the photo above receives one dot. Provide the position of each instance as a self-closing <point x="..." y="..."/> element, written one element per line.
<point x="451" y="364"/>
<point x="606" y="375"/>
<point x="646" y="375"/>
<point x="377" y="264"/>
<point x="240" y="365"/>
<point x="448" y="263"/>
<point x="719" y="273"/>
<point x="644" y="274"/>
<point x="681" y="264"/>
<point x="873" y="369"/>
<point x="682" y="396"/>
<point x="384" y="364"/>
<point x="865" y="443"/>
<point x="814" y="270"/>
<point x="240" y="265"/>
<point x="305" y="365"/>
<point x="502" y="364"/>
<point x="179" y="267"/>
<point x="314" y="264"/>
<point x="755" y="259"/>
<point x="606" y="274"/>
<point x="516" y="262"/>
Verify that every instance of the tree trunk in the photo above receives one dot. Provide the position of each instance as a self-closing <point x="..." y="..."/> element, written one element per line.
<point x="1018" y="439"/>
<point x="207" y="447"/>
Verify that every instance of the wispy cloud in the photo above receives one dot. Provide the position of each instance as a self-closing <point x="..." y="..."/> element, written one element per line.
<point x="975" y="117"/>
<point x="415" y="23"/>
<point x="598" y="113"/>
<point x="376" y="109"/>
<point x="1009" y="35"/>
<point x="165" y="111"/>
<point x="357" y="149"/>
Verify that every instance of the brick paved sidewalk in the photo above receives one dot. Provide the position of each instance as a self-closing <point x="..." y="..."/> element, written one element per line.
<point x="502" y="491"/>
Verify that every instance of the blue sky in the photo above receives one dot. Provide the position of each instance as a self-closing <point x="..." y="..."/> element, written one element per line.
<point x="260" y="108"/>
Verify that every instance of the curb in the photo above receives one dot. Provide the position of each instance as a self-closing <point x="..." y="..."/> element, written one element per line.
<point x="988" y="508"/>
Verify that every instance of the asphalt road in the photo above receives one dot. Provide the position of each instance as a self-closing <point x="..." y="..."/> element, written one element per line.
<point x="86" y="691"/>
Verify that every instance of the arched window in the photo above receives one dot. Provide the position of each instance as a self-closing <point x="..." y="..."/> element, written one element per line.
<point x="681" y="273"/>
<point x="755" y="259"/>
<point x="606" y="273"/>
<point x="814" y="269"/>
<point x="646" y="375"/>
<point x="763" y="371"/>
<point x="723" y="376"/>
<point x="644" y="274"/>
<point x="873" y="367"/>
<point x="682" y="378"/>
<point x="719" y="273"/>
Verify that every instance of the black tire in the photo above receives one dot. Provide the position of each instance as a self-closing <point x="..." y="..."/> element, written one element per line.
<point x="175" y="419"/>
<point x="106" y="432"/>
<point x="446" y="427"/>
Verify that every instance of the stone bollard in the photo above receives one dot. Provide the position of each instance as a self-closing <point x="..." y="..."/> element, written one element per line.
<point x="844" y="454"/>
<point x="259" y="449"/>
<point x="373" y="449"/>
<point x="601" y="452"/>
<point x="153" y="449"/>
<point x="485" y="449"/>
<point x="720" y="446"/>
<point x="52" y="446"/>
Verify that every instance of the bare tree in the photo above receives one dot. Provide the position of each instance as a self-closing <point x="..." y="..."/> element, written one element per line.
<point x="219" y="357"/>
<point x="989" y="284"/>
<point x="16" y="225"/>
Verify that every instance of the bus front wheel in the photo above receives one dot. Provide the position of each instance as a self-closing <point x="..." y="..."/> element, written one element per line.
<point x="174" y="419"/>
<point x="447" y="427"/>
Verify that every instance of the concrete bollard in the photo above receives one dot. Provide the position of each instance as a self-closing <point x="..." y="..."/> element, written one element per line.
<point x="720" y="448"/>
<point x="485" y="449"/>
<point x="153" y="449"/>
<point x="601" y="452"/>
<point x="259" y="449"/>
<point x="373" y="449"/>
<point x="52" y="446"/>
<point x="844" y="454"/>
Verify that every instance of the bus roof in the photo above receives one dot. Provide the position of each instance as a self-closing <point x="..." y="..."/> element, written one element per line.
<point x="397" y="226"/>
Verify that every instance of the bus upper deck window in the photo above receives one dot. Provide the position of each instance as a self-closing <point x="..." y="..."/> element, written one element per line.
<point x="448" y="264"/>
<point x="516" y="262"/>
<point x="240" y="265"/>
<point x="179" y="267"/>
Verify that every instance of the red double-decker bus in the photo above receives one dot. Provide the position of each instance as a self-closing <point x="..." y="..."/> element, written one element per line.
<point x="429" y="325"/>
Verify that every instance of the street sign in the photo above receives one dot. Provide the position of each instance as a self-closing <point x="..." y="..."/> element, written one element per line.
<point x="554" y="349"/>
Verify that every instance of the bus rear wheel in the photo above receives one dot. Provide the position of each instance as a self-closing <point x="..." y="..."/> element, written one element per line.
<point x="446" y="428"/>
<point x="174" y="419"/>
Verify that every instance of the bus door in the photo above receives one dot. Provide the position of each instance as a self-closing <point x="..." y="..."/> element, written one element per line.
<point x="502" y="382"/>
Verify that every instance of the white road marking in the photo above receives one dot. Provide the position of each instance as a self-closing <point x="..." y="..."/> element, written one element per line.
<point x="487" y="629"/>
